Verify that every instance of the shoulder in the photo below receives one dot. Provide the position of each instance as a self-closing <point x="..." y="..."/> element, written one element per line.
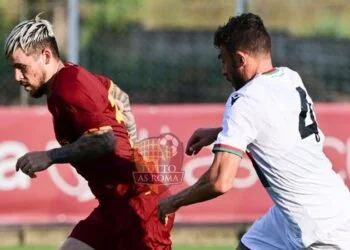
<point x="262" y="86"/>
<point x="69" y="72"/>
<point x="255" y="93"/>
<point x="280" y="74"/>
<point x="74" y="80"/>
<point x="251" y="92"/>
<point x="66" y="80"/>
<point x="241" y="102"/>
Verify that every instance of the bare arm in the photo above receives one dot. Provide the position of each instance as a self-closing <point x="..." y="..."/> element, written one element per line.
<point x="216" y="181"/>
<point x="204" y="189"/>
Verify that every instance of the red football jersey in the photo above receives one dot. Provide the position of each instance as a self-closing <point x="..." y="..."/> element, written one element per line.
<point x="81" y="102"/>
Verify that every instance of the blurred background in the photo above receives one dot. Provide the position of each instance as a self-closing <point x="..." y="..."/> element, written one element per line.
<point x="162" y="52"/>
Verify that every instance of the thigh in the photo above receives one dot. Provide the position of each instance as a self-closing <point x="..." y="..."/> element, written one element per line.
<point x="115" y="226"/>
<point x="156" y="236"/>
<point x="129" y="224"/>
<point x="74" y="244"/>
<point x="95" y="232"/>
<point x="267" y="233"/>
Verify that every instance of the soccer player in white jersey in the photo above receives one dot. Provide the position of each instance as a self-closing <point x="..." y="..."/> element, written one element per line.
<point x="270" y="117"/>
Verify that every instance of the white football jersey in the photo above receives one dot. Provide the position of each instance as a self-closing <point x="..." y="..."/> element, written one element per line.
<point x="272" y="119"/>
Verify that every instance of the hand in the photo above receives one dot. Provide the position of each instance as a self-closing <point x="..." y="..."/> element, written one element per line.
<point x="200" y="138"/>
<point x="33" y="162"/>
<point x="165" y="207"/>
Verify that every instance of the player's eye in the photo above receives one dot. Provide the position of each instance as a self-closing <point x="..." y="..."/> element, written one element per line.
<point x="23" y="68"/>
<point x="20" y="67"/>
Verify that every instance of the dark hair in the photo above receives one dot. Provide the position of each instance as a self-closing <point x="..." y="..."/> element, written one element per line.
<point x="50" y="43"/>
<point x="245" y="32"/>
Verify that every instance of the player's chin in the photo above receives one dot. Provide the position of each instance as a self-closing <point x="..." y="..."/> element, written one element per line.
<point x="37" y="93"/>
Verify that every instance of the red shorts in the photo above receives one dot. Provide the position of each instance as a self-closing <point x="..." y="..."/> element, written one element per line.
<point x="125" y="223"/>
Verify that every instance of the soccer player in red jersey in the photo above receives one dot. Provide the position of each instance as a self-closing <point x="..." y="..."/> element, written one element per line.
<point x="91" y="128"/>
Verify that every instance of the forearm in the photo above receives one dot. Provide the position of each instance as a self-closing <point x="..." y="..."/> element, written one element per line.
<point x="215" y="132"/>
<point x="87" y="147"/>
<point x="202" y="190"/>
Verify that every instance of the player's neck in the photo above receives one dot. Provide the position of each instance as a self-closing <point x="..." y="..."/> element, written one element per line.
<point x="264" y="65"/>
<point x="55" y="69"/>
<point x="257" y="65"/>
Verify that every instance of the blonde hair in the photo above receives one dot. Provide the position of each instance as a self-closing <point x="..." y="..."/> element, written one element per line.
<point x="31" y="35"/>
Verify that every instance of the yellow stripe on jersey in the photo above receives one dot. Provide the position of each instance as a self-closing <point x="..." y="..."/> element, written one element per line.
<point x="101" y="129"/>
<point x="118" y="114"/>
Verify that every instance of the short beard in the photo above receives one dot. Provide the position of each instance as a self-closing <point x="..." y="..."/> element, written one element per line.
<point x="39" y="92"/>
<point x="237" y="79"/>
<point x="237" y="84"/>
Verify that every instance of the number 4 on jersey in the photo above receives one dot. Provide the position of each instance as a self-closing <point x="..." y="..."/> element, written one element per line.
<point x="310" y="129"/>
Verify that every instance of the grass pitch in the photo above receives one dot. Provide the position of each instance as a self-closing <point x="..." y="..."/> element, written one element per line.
<point x="184" y="238"/>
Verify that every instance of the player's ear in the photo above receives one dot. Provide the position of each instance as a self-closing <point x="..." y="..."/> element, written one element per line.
<point x="47" y="54"/>
<point x="240" y="58"/>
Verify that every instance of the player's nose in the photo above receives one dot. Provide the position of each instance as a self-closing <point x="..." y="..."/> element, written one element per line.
<point x="224" y="74"/>
<point x="223" y="70"/>
<point x="18" y="75"/>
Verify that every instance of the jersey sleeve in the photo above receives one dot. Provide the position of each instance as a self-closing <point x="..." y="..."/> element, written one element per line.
<point x="84" y="108"/>
<point x="239" y="127"/>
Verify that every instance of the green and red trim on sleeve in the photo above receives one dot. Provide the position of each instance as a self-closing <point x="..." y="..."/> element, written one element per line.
<point x="228" y="149"/>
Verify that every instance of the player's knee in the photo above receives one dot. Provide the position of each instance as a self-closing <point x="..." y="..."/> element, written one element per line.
<point x="74" y="244"/>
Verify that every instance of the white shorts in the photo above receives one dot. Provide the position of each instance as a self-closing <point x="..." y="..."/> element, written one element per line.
<point x="268" y="233"/>
<point x="271" y="232"/>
